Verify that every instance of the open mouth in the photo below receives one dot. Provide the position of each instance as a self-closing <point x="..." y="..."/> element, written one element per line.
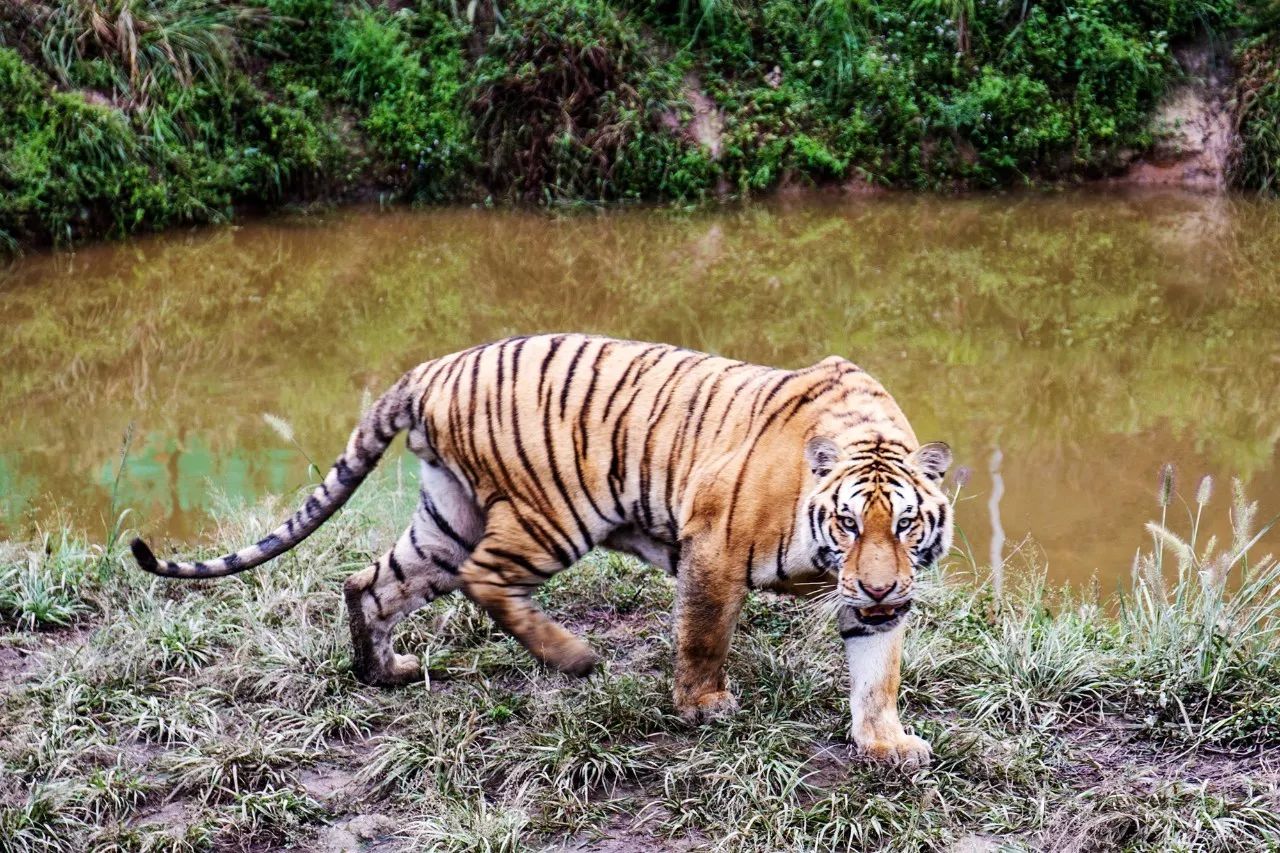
<point x="882" y="614"/>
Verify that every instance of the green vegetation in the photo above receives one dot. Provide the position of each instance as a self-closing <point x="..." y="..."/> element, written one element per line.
<point x="124" y="115"/>
<point x="1257" y="162"/>
<point x="145" y="715"/>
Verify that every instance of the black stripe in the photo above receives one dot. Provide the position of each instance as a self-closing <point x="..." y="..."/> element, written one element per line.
<point x="585" y="408"/>
<point x="413" y="541"/>
<point x="429" y="507"/>
<point x="468" y="436"/>
<point x="567" y="380"/>
<point x="517" y="559"/>
<point x="677" y="445"/>
<point x="508" y="482"/>
<point x="504" y="583"/>
<point x="617" y="464"/>
<point x="499" y="385"/>
<point x="698" y="421"/>
<point x="764" y="404"/>
<point x="636" y="365"/>
<point x="578" y="456"/>
<point x="395" y="566"/>
<point x="344" y="473"/>
<point x="527" y="463"/>
<point x="555" y="473"/>
<point x="551" y="353"/>
<point x="662" y="402"/>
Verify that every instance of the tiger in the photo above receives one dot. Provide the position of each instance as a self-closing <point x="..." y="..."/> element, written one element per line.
<point x="726" y="475"/>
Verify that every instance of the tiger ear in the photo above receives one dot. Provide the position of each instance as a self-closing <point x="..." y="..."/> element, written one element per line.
<point x="932" y="459"/>
<point x="821" y="454"/>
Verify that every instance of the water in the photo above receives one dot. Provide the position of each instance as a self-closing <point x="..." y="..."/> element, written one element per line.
<point x="1082" y="339"/>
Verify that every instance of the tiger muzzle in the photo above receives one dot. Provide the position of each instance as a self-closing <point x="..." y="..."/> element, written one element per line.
<point x="882" y="615"/>
<point x="876" y="607"/>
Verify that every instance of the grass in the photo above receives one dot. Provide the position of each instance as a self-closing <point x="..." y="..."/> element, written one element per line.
<point x="141" y="47"/>
<point x="142" y="715"/>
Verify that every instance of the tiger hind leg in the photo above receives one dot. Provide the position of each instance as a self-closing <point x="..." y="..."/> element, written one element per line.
<point x="420" y="567"/>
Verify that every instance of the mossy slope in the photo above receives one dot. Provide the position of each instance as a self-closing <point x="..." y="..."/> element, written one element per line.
<point x="123" y="115"/>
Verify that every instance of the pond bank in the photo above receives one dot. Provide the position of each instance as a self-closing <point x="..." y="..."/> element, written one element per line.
<point x="144" y="715"/>
<point x="175" y="113"/>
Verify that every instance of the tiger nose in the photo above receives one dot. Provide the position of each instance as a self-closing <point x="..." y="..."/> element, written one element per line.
<point x="878" y="593"/>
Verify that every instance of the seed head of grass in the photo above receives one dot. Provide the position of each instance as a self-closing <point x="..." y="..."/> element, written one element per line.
<point x="1164" y="494"/>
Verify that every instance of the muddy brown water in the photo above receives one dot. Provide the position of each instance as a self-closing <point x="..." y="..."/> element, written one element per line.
<point x="1080" y="339"/>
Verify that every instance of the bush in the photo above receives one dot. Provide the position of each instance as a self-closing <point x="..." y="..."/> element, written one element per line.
<point x="1256" y="161"/>
<point x="412" y="90"/>
<point x="104" y="139"/>
<point x="138" y="114"/>
<point x="565" y="98"/>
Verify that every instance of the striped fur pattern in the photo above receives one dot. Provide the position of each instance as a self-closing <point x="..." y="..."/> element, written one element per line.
<point x="729" y="476"/>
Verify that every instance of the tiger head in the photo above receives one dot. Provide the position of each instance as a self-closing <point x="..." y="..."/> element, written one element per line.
<point x="877" y="515"/>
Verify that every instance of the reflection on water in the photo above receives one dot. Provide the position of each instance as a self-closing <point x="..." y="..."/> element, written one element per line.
<point x="996" y="561"/>
<point x="1091" y="337"/>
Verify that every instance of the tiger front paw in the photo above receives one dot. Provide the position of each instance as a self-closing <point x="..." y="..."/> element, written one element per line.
<point x="906" y="751"/>
<point x="708" y="707"/>
<point x="580" y="663"/>
<point x="571" y="656"/>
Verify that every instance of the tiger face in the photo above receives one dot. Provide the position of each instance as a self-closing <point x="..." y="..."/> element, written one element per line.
<point x="877" y="515"/>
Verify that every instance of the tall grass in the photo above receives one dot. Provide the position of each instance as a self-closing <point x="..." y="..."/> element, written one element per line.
<point x="842" y="25"/>
<point x="142" y="47"/>
<point x="118" y="515"/>
<point x="1203" y="623"/>
<point x="142" y="55"/>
